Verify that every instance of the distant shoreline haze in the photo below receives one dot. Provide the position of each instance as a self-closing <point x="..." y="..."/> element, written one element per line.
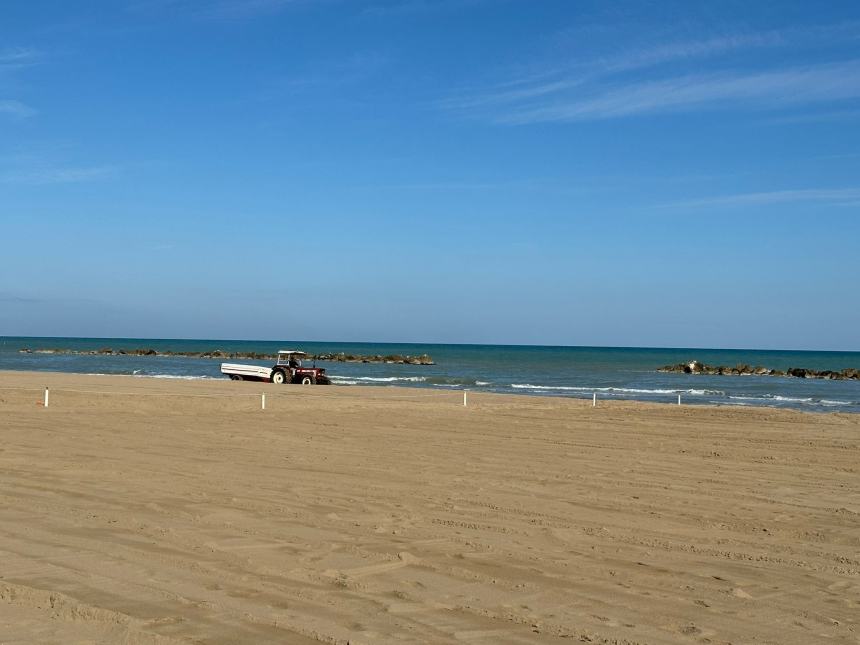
<point x="334" y="343"/>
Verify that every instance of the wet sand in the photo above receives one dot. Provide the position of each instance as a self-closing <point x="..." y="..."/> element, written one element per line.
<point x="152" y="511"/>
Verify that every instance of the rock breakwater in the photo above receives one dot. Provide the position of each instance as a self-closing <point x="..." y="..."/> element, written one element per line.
<point x="695" y="367"/>
<point x="339" y="357"/>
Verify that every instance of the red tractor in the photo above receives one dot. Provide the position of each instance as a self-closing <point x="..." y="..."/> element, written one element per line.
<point x="289" y="369"/>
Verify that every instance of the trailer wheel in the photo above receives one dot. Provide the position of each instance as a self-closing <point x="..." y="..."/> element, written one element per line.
<point x="278" y="378"/>
<point x="235" y="377"/>
<point x="308" y="380"/>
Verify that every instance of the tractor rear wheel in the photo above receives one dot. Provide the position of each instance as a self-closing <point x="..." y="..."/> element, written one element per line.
<point x="278" y="378"/>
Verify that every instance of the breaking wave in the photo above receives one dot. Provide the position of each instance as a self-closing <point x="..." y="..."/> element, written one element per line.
<point x="615" y="390"/>
<point x="435" y="381"/>
<point x="377" y="379"/>
<point x="764" y="398"/>
<point x="179" y="377"/>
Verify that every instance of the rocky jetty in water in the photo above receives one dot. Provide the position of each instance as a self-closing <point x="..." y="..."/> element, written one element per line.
<point x="695" y="367"/>
<point x="340" y="357"/>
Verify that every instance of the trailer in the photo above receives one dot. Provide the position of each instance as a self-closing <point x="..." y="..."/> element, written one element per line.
<point x="239" y="372"/>
<point x="287" y="369"/>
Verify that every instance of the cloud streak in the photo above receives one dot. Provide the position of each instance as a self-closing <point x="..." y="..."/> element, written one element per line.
<point x="762" y="90"/>
<point x="815" y="117"/>
<point x="405" y="7"/>
<point x="835" y="196"/>
<point x="660" y="79"/>
<point x="672" y="52"/>
<point x="227" y="9"/>
<point x="554" y="81"/>
<point x="18" y="57"/>
<point x="13" y="59"/>
<point x="218" y="9"/>
<point x="48" y="176"/>
<point x="16" y="109"/>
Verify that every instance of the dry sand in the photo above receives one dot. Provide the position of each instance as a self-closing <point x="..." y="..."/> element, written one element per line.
<point x="166" y="512"/>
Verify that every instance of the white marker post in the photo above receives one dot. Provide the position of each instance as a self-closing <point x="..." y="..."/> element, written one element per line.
<point x="263" y="402"/>
<point x="46" y="397"/>
<point x="465" y="398"/>
<point x="679" y="398"/>
<point x="594" y="400"/>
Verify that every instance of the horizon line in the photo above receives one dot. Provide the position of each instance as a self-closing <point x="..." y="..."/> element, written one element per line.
<point x="3" y="338"/>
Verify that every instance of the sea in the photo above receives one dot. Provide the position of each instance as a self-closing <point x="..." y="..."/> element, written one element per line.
<point x="578" y="372"/>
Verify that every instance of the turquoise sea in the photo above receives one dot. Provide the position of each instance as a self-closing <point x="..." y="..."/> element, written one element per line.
<point x="611" y="372"/>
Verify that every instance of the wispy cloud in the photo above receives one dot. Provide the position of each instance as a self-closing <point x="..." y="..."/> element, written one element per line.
<point x="561" y="80"/>
<point x="46" y="176"/>
<point x="352" y="69"/>
<point x="13" y="59"/>
<point x="835" y="196"/>
<point x="226" y="9"/>
<point x="218" y="9"/>
<point x="687" y="50"/>
<point x="772" y="89"/>
<point x="401" y="7"/>
<point x="16" y="109"/>
<point x="661" y="78"/>
<point x="18" y="57"/>
<point x="815" y="117"/>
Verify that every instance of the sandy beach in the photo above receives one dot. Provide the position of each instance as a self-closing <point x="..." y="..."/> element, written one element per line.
<point x="165" y="511"/>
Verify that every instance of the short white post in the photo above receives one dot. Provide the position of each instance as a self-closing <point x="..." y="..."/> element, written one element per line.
<point x="46" y="397"/>
<point x="263" y="402"/>
<point x="594" y="400"/>
<point x="679" y="398"/>
<point x="465" y="398"/>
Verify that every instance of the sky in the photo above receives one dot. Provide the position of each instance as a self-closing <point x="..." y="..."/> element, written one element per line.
<point x="675" y="174"/>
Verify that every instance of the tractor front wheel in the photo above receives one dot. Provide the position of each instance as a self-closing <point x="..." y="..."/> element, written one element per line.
<point x="308" y="380"/>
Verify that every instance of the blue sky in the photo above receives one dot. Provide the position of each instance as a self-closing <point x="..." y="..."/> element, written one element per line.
<point x="511" y="171"/>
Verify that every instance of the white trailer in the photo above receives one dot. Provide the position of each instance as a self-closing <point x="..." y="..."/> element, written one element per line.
<point x="239" y="372"/>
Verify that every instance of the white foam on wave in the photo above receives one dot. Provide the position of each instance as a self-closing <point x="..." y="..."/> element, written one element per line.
<point x="772" y="397"/>
<point x="612" y="390"/>
<point x="791" y="399"/>
<point x="379" y="379"/>
<point x="829" y="402"/>
<point x="342" y="379"/>
<point x="137" y="374"/>
<point x="174" y="376"/>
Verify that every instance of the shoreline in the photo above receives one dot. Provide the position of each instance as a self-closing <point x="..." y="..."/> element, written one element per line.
<point x="367" y="390"/>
